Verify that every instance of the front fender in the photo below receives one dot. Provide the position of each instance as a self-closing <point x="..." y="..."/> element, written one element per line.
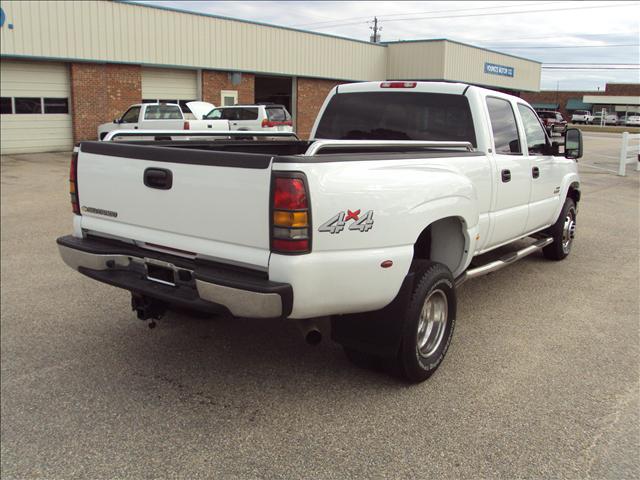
<point x="569" y="180"/>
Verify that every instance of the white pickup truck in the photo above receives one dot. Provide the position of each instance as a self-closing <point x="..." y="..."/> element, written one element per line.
<point x="163" y="116"/>
<point x="582" y="116"/>
<point x="374" y="222"/>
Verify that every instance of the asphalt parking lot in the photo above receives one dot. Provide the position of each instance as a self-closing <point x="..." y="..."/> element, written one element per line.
<point x="541" y="379"/>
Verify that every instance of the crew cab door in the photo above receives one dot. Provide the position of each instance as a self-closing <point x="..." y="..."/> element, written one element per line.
<point x="545" y="172"/>
<point x="512" y="175"/>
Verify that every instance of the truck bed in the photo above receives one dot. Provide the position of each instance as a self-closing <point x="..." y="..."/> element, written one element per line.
<point x="163" y="150"/>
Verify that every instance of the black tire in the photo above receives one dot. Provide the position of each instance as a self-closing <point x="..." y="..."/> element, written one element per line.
<point x="419" y="357"/>
<point x="563" y="232"/>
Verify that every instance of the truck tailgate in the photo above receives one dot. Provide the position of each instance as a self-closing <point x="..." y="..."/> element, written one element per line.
<point x="217" y="203"/>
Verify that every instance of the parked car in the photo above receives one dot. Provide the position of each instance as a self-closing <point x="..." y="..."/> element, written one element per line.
<point x="163" y="116"/>
<point x="609" y="119"/>
<point x="581" y="116"/>
<point x="554" y="122"/>
<point x="254" y="117"/>
<point x="633" y="121"/>
<point x="375" y="221"/>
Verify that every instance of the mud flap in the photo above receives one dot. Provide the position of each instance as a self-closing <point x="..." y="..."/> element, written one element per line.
<point x="378" y="332"/>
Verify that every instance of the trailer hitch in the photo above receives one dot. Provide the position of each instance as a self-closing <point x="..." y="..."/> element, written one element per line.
<point x="148" y="308"/>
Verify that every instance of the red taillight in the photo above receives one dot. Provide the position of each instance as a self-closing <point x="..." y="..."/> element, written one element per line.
<point x="73" y="183"/>
<point x="398" y="84"/>
<point x="268" y="123"/>
<point x="186" y="126"/>
<point x="290" y="221"/>
<point x="289" y="194"/>
<point x="290" y="246"/>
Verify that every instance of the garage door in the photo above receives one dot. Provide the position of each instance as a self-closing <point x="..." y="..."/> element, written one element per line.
<point x="164" y="84"/>
<point x="36" y="112"/>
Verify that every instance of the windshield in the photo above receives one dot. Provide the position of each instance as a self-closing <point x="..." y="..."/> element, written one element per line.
<point x="546" y="115"/>
<point x="397" y="116"/>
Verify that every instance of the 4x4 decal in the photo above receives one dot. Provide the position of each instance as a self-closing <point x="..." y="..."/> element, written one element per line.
<point x="337" y="223"/>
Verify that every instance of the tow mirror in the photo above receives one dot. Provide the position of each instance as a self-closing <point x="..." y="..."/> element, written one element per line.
<point x="573" y="143"/>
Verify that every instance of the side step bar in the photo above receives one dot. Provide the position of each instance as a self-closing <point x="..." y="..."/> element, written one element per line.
<point x="503" y="262"/>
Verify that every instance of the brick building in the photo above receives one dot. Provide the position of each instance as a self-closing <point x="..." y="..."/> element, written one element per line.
<point x="566" y="102"/>
<point x="67" y="67"/>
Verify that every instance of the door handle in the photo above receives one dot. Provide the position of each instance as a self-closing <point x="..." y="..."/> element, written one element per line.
<point x="535" y="172"/>
<point x="506" y="176"/>
<point x="135" y="128"/>
<point x="159" y="178"/>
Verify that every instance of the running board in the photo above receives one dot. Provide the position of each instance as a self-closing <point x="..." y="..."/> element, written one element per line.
<point x="504" y="261"/>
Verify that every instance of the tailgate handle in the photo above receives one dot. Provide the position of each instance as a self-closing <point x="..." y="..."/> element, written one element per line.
<point x="159" y="178"/>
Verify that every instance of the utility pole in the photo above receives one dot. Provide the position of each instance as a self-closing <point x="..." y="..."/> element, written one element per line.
<point x="375" y="38"/>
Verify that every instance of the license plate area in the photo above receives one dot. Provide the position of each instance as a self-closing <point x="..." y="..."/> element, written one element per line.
<point x="161" y="273"/>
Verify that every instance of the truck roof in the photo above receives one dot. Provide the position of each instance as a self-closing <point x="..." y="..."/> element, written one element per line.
<point x="432" y="87"/>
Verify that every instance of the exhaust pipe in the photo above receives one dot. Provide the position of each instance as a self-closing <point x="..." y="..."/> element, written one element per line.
<point x="310" y="331"/>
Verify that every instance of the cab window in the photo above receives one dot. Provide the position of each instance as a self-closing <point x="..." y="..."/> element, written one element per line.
<point x="214" y="114"/>
<point x="131" y="115"/>
<point x="503" y="124"/>
<point x="163" y="112"/>
<point x="536" y="138"/>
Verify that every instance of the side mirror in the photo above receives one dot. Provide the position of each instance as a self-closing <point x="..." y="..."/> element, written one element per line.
<point x="573" y="143"/>
<point x="116" y="121"/>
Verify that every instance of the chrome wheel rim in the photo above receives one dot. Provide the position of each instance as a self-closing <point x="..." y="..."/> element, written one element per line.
<point x="569" y="230"/>
<point x="432" y="322"/>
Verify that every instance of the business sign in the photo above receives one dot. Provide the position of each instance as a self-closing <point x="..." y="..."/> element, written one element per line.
<point x="498" y="70"/>
<point x="3" y="20"/>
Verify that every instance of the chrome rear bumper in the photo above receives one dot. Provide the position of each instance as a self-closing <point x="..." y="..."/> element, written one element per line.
<point x="196" y="284"/>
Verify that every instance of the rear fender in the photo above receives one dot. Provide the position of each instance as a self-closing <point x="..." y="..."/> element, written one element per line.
<point x="450" y="214"/>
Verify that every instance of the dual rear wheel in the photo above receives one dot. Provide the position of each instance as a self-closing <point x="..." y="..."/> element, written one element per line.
<point x="429" y="315"/>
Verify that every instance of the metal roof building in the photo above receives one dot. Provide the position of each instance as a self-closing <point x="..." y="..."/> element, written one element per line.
<point x="88" y="61"/>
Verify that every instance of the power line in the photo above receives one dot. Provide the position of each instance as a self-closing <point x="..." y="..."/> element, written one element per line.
<point x="575" y="46"/>
<point x="590" y="63"/>
<point x="559" y="36"/>
<point x="590" y="68"/>
<point x="431" y="11"/>
<point x="486" y="14"/>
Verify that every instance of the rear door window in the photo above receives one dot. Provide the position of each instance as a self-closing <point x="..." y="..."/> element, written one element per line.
<point x="247" y="113"/>
<point x="503" y="125"/>
<point x="397" y="116"/>
<point x="163" y="112"/>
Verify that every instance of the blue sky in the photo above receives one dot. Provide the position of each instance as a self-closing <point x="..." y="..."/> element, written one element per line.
<point x="553" y="32"/>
